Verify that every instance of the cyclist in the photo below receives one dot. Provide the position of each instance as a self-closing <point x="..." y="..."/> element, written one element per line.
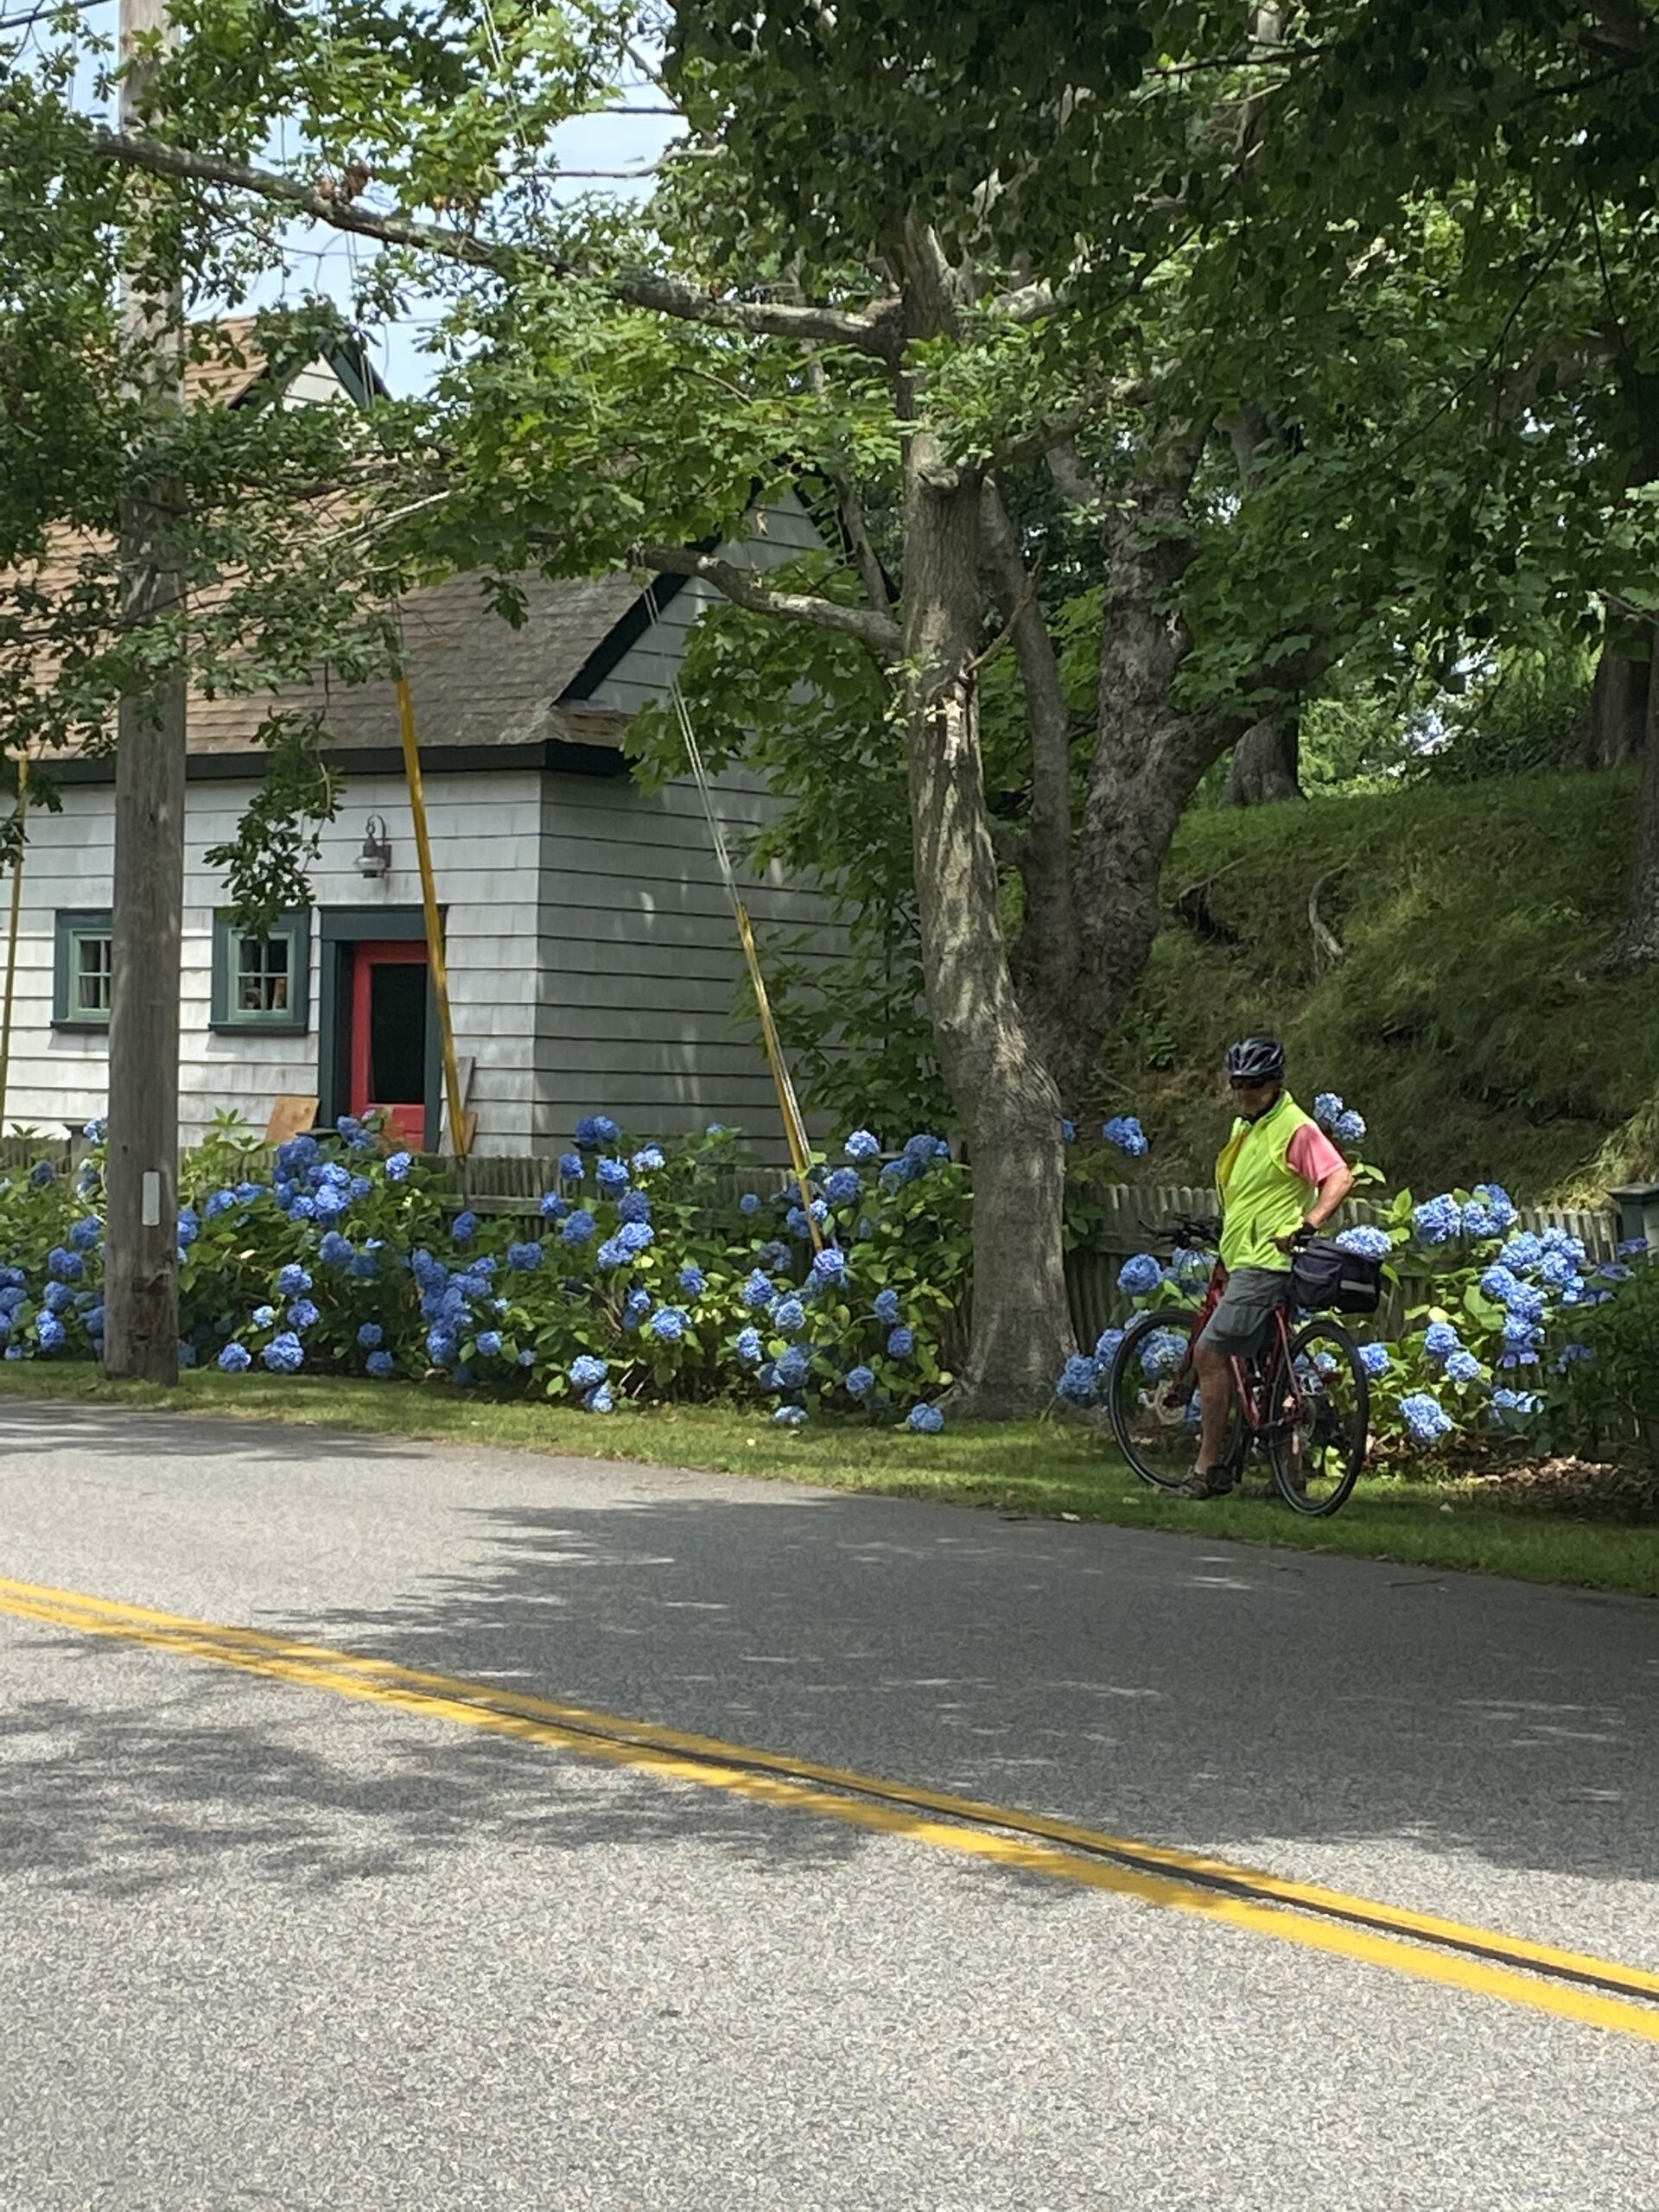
<point x="1279" y="1175"/>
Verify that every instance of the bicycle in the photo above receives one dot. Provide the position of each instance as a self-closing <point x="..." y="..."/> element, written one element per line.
<point x="1303" y="1403"/>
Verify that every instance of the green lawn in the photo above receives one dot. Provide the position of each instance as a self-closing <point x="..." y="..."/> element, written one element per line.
<point x="1040" y="1467"/>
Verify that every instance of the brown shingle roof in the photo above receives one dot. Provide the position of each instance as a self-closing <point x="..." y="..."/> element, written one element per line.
<point x="476" y="681"/>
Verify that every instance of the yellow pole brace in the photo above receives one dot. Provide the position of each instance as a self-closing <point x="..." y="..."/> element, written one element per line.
<point x="433" y="927"/>
<point x="787" y="1106"/>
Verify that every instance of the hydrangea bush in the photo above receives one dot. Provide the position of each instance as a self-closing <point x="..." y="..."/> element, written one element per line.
<point x="1511" y="1340"/>
<point x="642" y="1279"/>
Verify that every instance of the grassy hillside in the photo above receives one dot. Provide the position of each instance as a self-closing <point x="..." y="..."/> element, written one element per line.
<point x="1462" y="1017"/>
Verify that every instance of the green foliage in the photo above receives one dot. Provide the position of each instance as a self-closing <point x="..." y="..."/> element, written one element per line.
<point x="1521" y="716"/>
<point x="1606" y="1404"/>
<point x="1467" y="1011"/>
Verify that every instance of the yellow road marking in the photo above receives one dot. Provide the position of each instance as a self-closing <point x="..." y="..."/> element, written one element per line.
<point x="1285" y="1911"/>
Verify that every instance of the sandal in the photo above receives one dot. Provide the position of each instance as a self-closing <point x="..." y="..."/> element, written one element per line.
<point x="1207" y="1482"/>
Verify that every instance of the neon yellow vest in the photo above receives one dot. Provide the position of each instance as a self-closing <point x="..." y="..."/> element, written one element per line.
<point x="1262" y="1198"/>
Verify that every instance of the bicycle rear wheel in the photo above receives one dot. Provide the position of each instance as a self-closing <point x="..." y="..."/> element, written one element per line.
<point x="1318" y="1444"/>
<point x="1155" y="1417"/>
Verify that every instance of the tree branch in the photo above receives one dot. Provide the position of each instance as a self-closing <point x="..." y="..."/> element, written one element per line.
<point x="744" y="589"/>
<point x="873" y="330"/>
<point x="1059" y="429"/>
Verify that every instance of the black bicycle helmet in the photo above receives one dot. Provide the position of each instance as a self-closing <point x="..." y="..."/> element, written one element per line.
<point x="1256" y="1059"/>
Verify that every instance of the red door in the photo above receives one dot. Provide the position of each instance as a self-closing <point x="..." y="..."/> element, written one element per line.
<point x="389" y="1035"/>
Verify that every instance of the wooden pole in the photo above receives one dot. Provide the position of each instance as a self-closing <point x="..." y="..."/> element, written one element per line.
<point x="141" y="1253"/>
<point x="20" y="818"/>
<point x="434" y="924"/>
<point x="788" y="1107"/>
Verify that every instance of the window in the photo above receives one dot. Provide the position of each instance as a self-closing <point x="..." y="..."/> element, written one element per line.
<point x="81" y="971"/>
<point x="263" y="982"/>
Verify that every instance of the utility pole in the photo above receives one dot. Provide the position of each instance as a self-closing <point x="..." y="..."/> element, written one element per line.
<point x="141" y="1292"/>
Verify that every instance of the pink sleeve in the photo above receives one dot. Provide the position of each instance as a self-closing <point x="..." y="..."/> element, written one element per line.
<point x="1312" y="1155"/>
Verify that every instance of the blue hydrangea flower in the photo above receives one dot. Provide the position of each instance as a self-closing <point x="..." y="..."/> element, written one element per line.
<point x="221" y="1202"/>
<point x="595" y="1129"/>
<point x="886" y="1307"/>
<point x="578" y="1227"/>
<point x="1163" y="1351"/>
<point x="1078" y="1381"/>
<point x="862" y="1146"/>
<point x="186" y="1355"/>
<point x="554" y="1208"/>
<point x="525" y="1258"/>
<point x="65" y="1265"/>
<point x="1557" y="1269"/>
<point x="84" y="1237"/>
<point x="442" y="1345"/>
<point x="58" y="1297"/>
<point x="789" y="1416"/>
<point x="599" y="1400"/>
<point x="1124" y="1131"/>
<point x="611" y="1254"/>
<point x="330" y="1202"/>
<point x="790" y="1317"/>
<point x="397" y="1167"/>
<point x="639" y="1305"/>
<point x="749" y="1203"/>
<point x="1491" y="1211"/>
<point x="336" y="1250"/>
<point x="489" y="1344"/>
<point x="293" y="1279"/>
<point x="1374" y="1359"/>
<point x="381" y="1365"/>
<point x="647" y="1161"/>
<point x="571" y="1166"/>
<point x="1516" y="1402"/>
<point x="758" y="1290"/>
<point x="842" y="1185"/>
<point x="749" y="1346"/>
<point x="189" y="1226"/>
<point x="793" y="1369"/>
<point x="669" y="1324"/>
<point x="692" y="1280"/>
<point x="924" y="1149"/>
<point x="11" y="1298"/>
<point x="633" y="1206"/>
<point x="828" y="1268"/>
<point x="284" y="1355"/>
<point x="1526" y="1301"/>
<point x="586" y="1373"/>
<point x="302" y="1208"/>
<point x="235" y="1358"/>
<point x="927" y="1420"/>
<point x="363" y="1266"/>
<point x="95" y="1130"/>
<point x="612" y="1177"/>
<point x="1521" y="1253"/>
<point x="465" y="1227"/>
<point x="1350" y="1128"/>
<point x="1572" y="1356"/>
<point x="527" y="1357"/>
<point x="1368" y="1242"/>
<point x="859" y="1381"/>
<point x="1441" y="1340"/>
<point x="264" y="1317"/>
<point x="304" y="1315"/>
<point x="1068" y="1131"/>
<point x="370" y="1335"/>
<point x="1463" y="1368"/>
<point x="1438" y="1221"/>
<point x="1426" y="1418"/>
<point x="775" y="1255"/>
<point x="43" y="1174"/>
<point x="902" y="1343"/>
<point x="50" y="1330"/>
<point x="1327" y="1108"/>
<point x="1139" y="1275"/>
<point x="1521" y="1337"/>
<point x="636" y="1236"/>
<point x="1106" y="1346"/>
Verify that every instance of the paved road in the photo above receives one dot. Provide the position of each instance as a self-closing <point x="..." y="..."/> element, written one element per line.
<point x="263" y="1948"/>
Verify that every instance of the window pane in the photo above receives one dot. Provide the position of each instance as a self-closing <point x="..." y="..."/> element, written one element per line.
<point x="260" y="976"/>
<point x="91" y="969"/>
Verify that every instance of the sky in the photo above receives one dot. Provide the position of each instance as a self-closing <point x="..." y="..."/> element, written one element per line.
<point x="321" y="261"/>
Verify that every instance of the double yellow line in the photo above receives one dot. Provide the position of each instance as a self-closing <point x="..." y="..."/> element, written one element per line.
<point x="1571" y="1985"/>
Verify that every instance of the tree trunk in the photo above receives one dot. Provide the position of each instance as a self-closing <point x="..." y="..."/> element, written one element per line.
<point x="1007" y="1099"/>
<point x="1615" y="723"/>
<point x="1638" y="943"/>
<point x="1267" y="763"/>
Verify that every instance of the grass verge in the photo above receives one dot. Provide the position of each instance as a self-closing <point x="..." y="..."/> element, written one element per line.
<point x="1043" y="1468"/>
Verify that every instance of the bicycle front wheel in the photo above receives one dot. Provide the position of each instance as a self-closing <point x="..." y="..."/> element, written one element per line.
<point x="1318" y="1444"/>
<point x="1154" y="1417"/>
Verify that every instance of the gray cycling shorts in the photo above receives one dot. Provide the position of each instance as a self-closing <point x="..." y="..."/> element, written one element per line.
<point x="1240" y="1323"/>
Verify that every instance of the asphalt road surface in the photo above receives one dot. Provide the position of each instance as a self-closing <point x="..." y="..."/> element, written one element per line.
<point x="268" y="1945"/>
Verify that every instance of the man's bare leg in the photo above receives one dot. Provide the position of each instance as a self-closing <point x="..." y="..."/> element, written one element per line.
<point x="1215" y="1396"/>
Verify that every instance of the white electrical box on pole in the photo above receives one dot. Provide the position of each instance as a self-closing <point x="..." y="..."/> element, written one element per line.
<point x="141" y="1247"/>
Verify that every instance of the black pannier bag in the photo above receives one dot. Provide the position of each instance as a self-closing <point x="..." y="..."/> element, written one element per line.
<point x="1325" y="1278"/>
